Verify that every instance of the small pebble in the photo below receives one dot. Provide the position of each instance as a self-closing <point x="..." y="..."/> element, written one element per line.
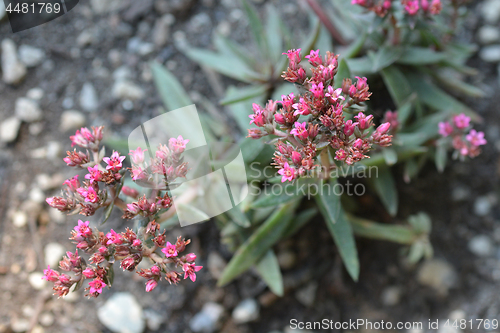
<point x="88" y="98"/>
<point x="13" y="70"/>
<point x="31" y="56"/>
<point x="207" y="320"/>
<point x="19" y="219"/>
<point x="482" y="205"/>
<point x="35" y="94"/>
<point x="307" y="295"/>
<point x="124" y="89"/>
<point x="71" y="120"/>
<point x="36" y="280"/>
<point x="488" y="34"/>
<point x="437" y="274"/>
<point x="9" y="129"/>
<point x="28" y="110"/>
<point x="53" y="254"/>
<point x="481" y="246"/>
<point x="246" y="311"/>
<point x="491" y="11"/>
<point x="216" y="264"/>
<point x="19" y="325"/>
<point x="391" y="296"/>
<point x="122" y="313"/>
<point x="37" y="195"/>
<point x="490" y="53"/>
<point x="46" y="319"/>
<point x="153" y="319"/>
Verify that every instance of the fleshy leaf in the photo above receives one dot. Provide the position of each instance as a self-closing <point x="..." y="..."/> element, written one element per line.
<point x="269" y="269"/>
<point x="386" y="189"/>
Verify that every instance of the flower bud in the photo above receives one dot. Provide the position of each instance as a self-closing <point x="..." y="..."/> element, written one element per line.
<point x="150" y="285"/>
<point x="191" y="257"/>
<point x="88" y="273"/>
<point x="296" y="158"/>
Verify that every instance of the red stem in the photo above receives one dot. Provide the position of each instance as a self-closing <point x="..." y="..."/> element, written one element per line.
<point x="320" y="12"/>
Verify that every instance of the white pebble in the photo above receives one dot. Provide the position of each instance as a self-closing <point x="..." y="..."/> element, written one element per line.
<point x="13" y="70"/>
<point x="36" y="280"/>
<point x="28" y="110"/>
<point x="9" y="129"/>
<point x="19" y="219"/>
<point x="53" y="254"/>
<point x="71" y="120"/>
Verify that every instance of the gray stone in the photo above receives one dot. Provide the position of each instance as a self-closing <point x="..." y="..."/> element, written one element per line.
<point x="36" y="195"/>
<point x="136" y="45"/>
<point x="200" y="22"/>
<point x="88" y="98"/>
<point x="161" y="32"/>
<point x="35" y="94"/>
<point x="9" y="129"/>
<point x="490" y="10"/>
<point x="391" y="296"/>
<point x="53" y="254"/>
<point x="481" y="246"/>
<point x="103" y="7"/>
<point x="28" y="110"/>
<point x="460" y="193"/>
<point x="307" y="295"/>
<point x="13" y="70"/>
<point x="482" y="205"/>
<point x="31" y="56"/>
<point x="488" y="34"/>
<point x="437" y="274"/>
<point x="19" y="325"/>
<point x="246" y="311"/>
<point x="46" y="319"/>
<point x="490" y="53"/>
<point x="207" y="320"/>
<point x="19" y="219"/>
<point x="216" y="264"/>
<point x="85" y="38"/>
<point x="2" y="10"/>
<point x="122" y="313"/>
<point x="287" y="259"/>
<point x="153" y="319"/>
<point x="124" y="89"/>
<point x="71" y="119"/>
<point x="36" y="281"/>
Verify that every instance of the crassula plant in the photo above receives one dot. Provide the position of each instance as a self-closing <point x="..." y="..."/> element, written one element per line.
<point x="309" y="124"/>
<point x="102" y="188"/>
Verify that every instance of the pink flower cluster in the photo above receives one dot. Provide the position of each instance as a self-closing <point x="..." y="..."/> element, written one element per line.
<point x="164" y="167"/>
<point x="464" y="144"/>
<point x="411" y="7"/>
<point x="126" y="247"/>
<point x="308" y="123"/>
<point x="101" y="188"/>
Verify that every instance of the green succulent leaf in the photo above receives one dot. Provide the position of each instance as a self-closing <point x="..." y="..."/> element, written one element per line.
<point x="421" y="56"/>
<point x="441" y="155"/>
<point x="253" y="249"/>
<point x="386" y="189"/>
<point x="236" y="95"/>
<point x="390" y="155"/>
<point x="340" y="228"/>
<point x="299" y="221"/>
<point x="171" y="91"/>
<point x="382" y="231"/>
<point x="343" y="73"/>
<point x="256" y="26"/>
<point x="269" y="269"/>
<point x="397" y="84"/>
<point x="385" y="56"/>
<point x="239" y="217"/>
<point x="274" y="35"/>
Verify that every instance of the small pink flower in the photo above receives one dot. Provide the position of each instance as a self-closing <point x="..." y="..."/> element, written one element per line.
<point x="177" y="145"/>
<point x="361" y="83"/>
<point x="461" y="121"/>
<point x="301" y="108"/>
<point x="287" y="173"/>
<point x="293" y="55"/>
<point x="314" y="58"/>
<point x="317" y="89"/>
<point x="170" y="250"/>
<point x="138" y="173"/>
<point x="191" y="257"/>
<point x="358" y="2"/>
<point x="287" y="100"/>
<point x="137" y="155"/>
<point x="334" y="94"/>
<point x="82" y="229"/>
<point x="476" y="138"/>
<point x="50" y="275"/>
<point x="279" y="118"/>
<point x="58" y="203"/>
<point x="384" y="128"/>
<point x="445" y="129"/>
<point x="114" y="163"/>
<point x="94" y="174"/>
<point x="300" y="130"/>
<point x="340" y="155"/>
<point x="133" y="208"/>
<point x="358" y="144"/>
<point x="136" y="243"/>
<point x="436" y="7"/>
<point x="364" y="121"/>
<point x="412" y="7"/>
<point x="349" y="127"/>
<point x="189" y="270"/>
<point x="155" y="270"/>
<point x="113" y="238"/>
<point x="296" y="157"/>
<point x="89" y="194"/>
<point x="150" y="285"/>
<point x="88" y="273"/>
<point x="72" y="183"/>
<point x="257" y="119"/>
<point x="96" y="286"/>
